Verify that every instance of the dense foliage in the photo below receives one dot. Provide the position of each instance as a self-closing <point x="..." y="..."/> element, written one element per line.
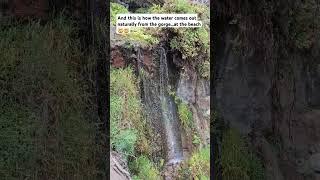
<point x="200" y="164"/>
<point x="197" y="166"/>
<point x="130" y="135"/>
<point x="191" y="43"/>
<point x="46" y="117"/>
<point x="146" y="169"/>
<point x="185" y="115"/>
<point x="115" y="9"/>
<point x="140" y="36"/>
<point x="129" y="132"/>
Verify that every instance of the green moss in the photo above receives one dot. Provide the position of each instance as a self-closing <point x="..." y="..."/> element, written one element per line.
<point x="237" y="161"/>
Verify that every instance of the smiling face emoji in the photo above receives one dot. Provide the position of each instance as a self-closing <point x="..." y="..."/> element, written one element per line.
<point x="123" y="30"/>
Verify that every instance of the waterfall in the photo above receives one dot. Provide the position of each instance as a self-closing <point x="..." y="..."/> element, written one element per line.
<point x="169" y="114"/>
<point x="160" y="106"/>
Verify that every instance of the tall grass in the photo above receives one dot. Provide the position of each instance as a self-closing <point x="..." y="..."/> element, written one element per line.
<point x="45" y="129"/>
<point x="237" y="160"/>
<point x="128" y="127"/>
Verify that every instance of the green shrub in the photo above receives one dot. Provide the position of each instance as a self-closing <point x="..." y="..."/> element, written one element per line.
<point x="199" y="164"/>
<point x="142" y="36"/>
<point x="193" y="43"/>
<point x="146" y="169"/>
<point x="185" y="115"/>
<point x="196" y="140"/>
<point x="115" y="9"/>
<point x="237" y="161"/>
<point x="125" y="141"/>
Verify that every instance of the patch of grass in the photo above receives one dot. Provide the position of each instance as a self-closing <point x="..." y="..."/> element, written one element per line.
<point x="129" y="132"/>
<point x="199" y="164"/>
<point x="237" y="161"/>
<point x="142" y="36"/>
<point x="146" y="169"/>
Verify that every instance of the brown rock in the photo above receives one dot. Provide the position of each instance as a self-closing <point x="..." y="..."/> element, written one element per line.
<point x="117" y="59"/>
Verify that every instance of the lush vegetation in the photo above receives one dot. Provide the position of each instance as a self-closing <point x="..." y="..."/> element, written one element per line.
<point x="140" y="36"/>
<point x="130" y="135"/>
<point x="125" y="110"/>
<point x="237" y="160"/>
<point x="197" y="166"/>
<point x="200" y="164"/>
<point x="185" y="115"/>
<point x="115" y="9"/>
<point x="191" y="43"/>
<point x="146" y="169"/>
<point x="46" y="116"/>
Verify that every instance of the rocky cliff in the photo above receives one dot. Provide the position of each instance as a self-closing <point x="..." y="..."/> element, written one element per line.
<point x="267" y="79"/>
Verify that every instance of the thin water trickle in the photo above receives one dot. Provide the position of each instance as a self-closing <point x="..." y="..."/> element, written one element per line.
<point x="159" y="103"/>
<point x="170" y="118"/>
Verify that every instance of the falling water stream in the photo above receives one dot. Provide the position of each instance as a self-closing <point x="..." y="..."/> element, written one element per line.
<point x="160" y="105"/>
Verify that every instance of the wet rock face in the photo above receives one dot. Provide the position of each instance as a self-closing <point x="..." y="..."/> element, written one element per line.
<point x="196" y="93"/>
<point x="186" y="87"/>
